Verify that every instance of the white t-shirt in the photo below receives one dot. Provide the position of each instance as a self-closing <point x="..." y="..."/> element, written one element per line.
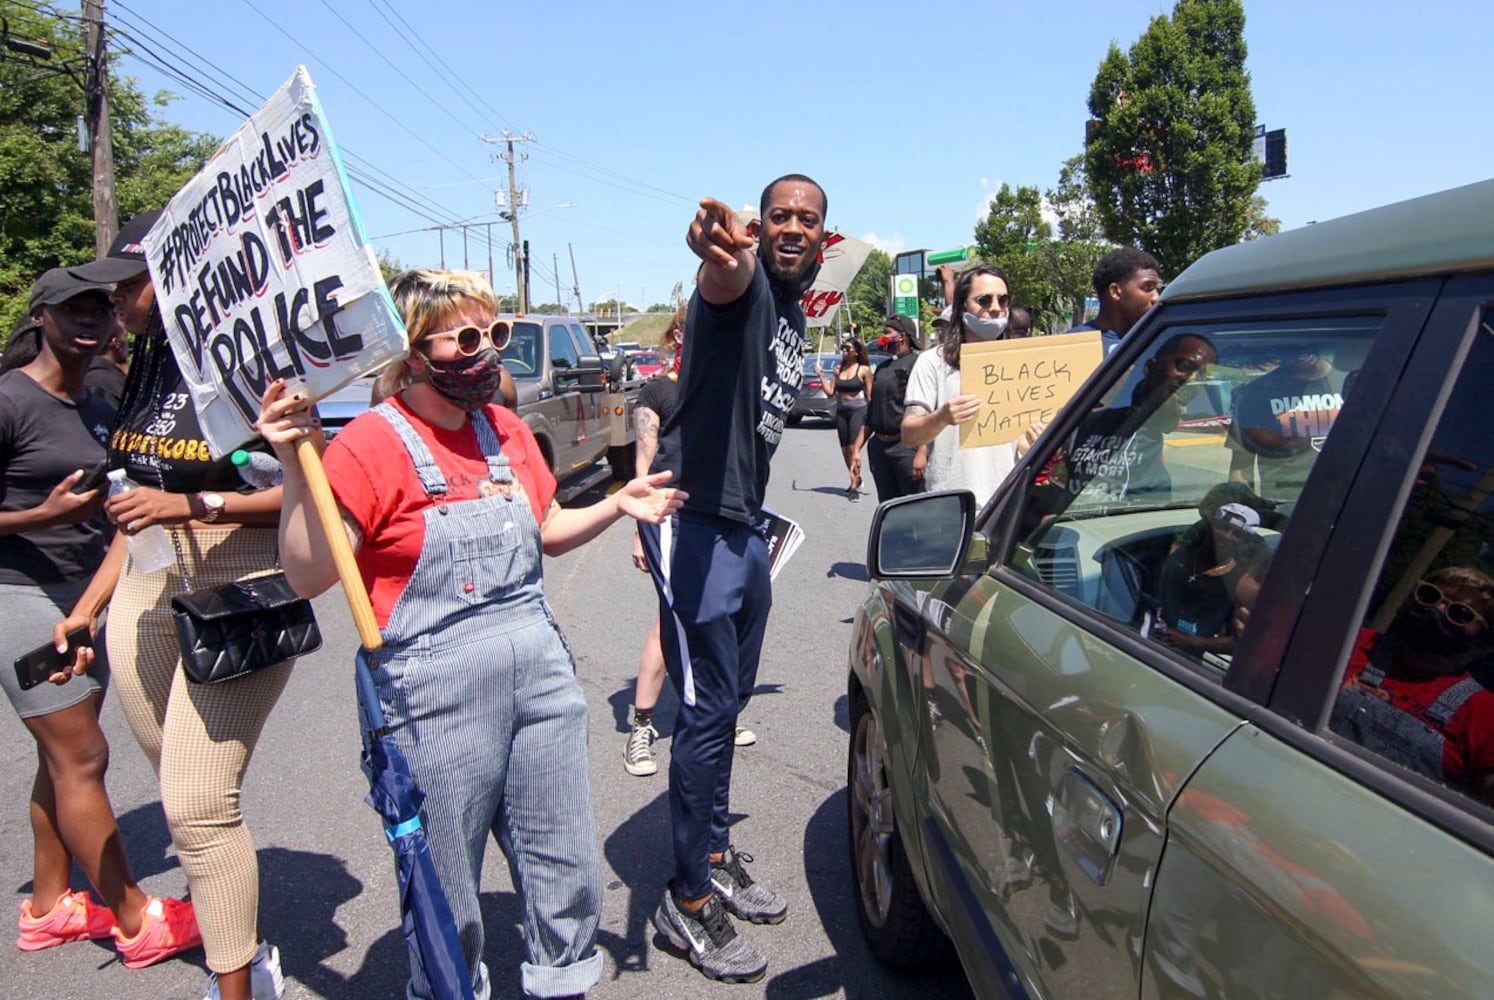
<point x="979" y="470"/>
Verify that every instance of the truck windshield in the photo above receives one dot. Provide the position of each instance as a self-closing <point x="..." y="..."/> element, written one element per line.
<point x="521" y="356"/>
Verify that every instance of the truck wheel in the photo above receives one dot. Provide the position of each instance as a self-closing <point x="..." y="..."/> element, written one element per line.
<point x="892" y="915"/>
<point x="623" y="461"/>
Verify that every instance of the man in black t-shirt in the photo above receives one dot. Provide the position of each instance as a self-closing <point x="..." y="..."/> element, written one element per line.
<point x="741" y="372"/>
<point x="1281" y="420"/>
<point x="896" y="468"/>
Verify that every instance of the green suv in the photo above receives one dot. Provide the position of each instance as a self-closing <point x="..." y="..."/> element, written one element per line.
<point x="1201" y="702"/>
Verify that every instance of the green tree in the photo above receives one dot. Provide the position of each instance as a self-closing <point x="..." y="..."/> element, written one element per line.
<point x="660" y="307"/>
<point x="548" y="309"/>
<point x="1016" y="238"/>
<point x="1260" y="224"/>
<point x="46" y="202"/>
<point x="389" y="266"/>
<point x="1168" y="155"/>
<point x="1081" y="243"/>
<point x="867" y="296"/>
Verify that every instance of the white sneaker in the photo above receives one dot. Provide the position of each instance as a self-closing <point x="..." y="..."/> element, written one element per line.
<point x="265" y="979"/>
<point x="744" y="737"/>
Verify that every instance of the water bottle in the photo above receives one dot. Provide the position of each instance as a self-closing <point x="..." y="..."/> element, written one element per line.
<point x="151" y="547"/>
<point x="258" y="469"/>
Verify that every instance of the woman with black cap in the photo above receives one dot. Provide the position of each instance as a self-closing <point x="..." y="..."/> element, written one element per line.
<point x="52" y="538"/>
<point x="199" y="738"/>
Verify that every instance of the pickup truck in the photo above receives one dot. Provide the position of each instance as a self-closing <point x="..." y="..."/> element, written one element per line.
<point x="580" y="410"/>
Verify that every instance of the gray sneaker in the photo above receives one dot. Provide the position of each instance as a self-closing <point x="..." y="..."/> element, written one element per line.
<point x="744" y="897"/>
<point x="713" y="944"/>
<point x="638" y="754"/>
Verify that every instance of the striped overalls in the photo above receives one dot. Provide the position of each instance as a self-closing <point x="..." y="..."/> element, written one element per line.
<point x="480" y="692"/>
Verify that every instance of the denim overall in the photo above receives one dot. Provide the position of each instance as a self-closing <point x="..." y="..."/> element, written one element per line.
<point x="479" y="690"/>
<point x="1377" y="725"/>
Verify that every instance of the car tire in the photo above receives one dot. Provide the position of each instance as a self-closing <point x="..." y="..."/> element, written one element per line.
<point x="794" y="419"/>
<point x="892" y="914"/>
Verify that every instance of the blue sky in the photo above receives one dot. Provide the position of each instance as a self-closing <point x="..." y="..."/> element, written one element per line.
<point x="909" y="115"/>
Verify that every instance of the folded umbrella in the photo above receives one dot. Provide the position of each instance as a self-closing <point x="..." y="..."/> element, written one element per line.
<point x="426" y="918"/>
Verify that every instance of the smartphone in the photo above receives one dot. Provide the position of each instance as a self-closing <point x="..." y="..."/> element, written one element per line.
<point x="35" y="667"/>
<point x="94" y="478"/>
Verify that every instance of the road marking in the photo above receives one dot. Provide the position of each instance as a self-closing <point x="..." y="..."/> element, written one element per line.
<point x="1193" y="442"/>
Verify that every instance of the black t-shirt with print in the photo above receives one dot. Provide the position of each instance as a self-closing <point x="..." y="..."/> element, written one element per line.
<point x="742" y="369"/>
<point x="43" y="439"/>
<point x="156" y="438"/>
<point x="1302" y="410"/>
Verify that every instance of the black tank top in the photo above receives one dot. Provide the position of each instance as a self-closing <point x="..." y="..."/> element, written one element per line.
<point x="848" y="386"/>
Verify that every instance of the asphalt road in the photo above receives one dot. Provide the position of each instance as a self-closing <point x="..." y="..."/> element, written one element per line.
<point x="327" y="881"/>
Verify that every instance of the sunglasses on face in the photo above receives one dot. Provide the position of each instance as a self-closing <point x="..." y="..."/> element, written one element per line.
<point x="1429" y="595"/>
<point x="469" y="338"/>
<point x="985" y="301"/>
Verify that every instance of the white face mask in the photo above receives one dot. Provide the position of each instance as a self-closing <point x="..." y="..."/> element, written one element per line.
<point x="983" y="328"/>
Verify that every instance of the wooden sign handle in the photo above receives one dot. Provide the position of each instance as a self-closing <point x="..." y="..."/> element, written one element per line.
<point x="337" y="538"/>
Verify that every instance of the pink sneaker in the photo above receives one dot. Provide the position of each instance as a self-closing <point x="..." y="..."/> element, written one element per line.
<point x="74" y="917"/>
<point x="167" y="927"/>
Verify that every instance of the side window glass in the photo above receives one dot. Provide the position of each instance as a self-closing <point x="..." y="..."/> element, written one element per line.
<point x="521" y="356"/>
<point x="1163" y="510"/>
<point x="1417" y="688"/>
<point x="583" y="343"/>
<point x="563" y="354"/>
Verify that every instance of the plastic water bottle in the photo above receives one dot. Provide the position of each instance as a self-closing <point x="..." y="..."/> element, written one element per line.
<point x="258" y="469"/>
<point x="150" y="547"/>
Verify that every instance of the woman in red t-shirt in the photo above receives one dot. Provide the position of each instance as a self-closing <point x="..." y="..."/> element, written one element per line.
<point x="449" y="503"/>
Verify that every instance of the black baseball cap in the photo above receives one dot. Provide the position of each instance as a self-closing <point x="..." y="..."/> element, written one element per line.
<point x="902" y="324"/>
<point x="126" y="257"/>
<point x="58" y="285"/>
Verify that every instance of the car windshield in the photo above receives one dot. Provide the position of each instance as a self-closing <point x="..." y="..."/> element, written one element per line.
<point x="521" y="355"/>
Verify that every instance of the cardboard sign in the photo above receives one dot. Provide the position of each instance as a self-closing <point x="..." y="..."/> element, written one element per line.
<point x="262" y="270"/>
<point x="1023" y="382"/>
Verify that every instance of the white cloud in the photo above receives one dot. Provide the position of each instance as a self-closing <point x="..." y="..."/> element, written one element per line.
<point x="891" y="245"/>
<point x="989" y="188"/>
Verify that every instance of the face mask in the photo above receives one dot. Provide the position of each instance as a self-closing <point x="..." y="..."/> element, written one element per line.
<point x="467" y="382"/>
<point x="983" y="328"/>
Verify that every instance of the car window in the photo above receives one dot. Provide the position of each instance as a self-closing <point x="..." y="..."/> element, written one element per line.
<point x="563" y="353"/>
<point x="521" y="355"/>
<point x="1417" y="687"/>
<point x="1163" y="508"/>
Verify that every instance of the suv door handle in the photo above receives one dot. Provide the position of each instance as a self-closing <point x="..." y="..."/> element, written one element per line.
<point x="1087" y="825"/>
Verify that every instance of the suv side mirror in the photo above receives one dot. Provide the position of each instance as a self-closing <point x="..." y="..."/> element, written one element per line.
<point x="921" y="537"/>
<point x="589" y="374"/>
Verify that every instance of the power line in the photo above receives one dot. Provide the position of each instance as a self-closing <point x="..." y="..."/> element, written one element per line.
<point x="358" y="90"/>
<point x="394" y="66"/>
<point x="407" y="32"/>
<point x="394" y="190"/>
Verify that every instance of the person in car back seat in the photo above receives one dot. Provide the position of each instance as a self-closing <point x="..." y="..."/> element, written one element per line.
<point x="1217" y="566"/>
<point x="1408" y="693"/>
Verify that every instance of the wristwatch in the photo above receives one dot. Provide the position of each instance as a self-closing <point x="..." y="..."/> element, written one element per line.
<point x="212" y="506"/>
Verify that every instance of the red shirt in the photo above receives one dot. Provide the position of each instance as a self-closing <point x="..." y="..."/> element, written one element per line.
<point x="1468" y="737"/>
<point x="375" y="482"/>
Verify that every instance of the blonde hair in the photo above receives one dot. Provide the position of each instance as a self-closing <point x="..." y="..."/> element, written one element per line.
<point x="426" y="299"/>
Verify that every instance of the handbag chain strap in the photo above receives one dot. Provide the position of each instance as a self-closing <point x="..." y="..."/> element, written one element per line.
<point x="181" y="560"/>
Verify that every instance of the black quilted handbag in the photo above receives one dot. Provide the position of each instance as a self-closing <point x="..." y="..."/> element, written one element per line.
<point x="228" y="631"/>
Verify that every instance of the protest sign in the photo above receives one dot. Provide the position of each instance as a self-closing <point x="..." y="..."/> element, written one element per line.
<point x="1023" y="382"/>
<point x="262" y="270"/>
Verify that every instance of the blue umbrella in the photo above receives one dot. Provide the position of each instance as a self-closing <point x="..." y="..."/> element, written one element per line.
<point x="429" y="928"/>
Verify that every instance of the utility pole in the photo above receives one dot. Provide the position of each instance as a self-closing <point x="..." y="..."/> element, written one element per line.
<point x="100" y="142"/>
<point x="524" y="295"/>
<point x="555" y="266"/>
<point x="576" y="282"/>
<point x="512" y="215"/>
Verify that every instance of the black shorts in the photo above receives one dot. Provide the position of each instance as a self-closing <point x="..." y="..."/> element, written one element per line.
<point x="848" y="421"/>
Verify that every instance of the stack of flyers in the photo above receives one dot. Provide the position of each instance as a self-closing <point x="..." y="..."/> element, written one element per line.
<point x="784" y="537"/>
